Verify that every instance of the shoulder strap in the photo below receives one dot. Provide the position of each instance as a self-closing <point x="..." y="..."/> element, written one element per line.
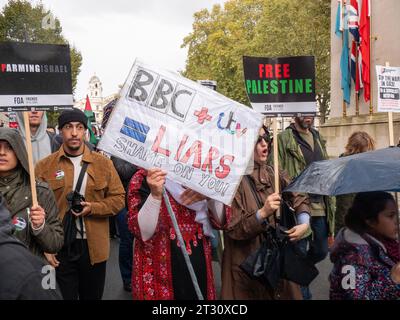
<point x="78" y="188"/>
<point x="81" y="175"/>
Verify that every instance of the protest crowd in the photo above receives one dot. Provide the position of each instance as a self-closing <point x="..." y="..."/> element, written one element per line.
<point x="201" y="195"/>
<point x="79" y="188"/>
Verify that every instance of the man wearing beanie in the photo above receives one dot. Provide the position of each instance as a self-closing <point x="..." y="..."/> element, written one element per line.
<point x="81" y="264"/>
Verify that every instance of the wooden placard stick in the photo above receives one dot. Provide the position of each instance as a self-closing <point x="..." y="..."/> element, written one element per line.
<point x="356" y="97"/>
<point x="391" y="136"/>
<point x="276" y="159"/>
<point x="30" y="159"/>
<point x="390" y="118"/>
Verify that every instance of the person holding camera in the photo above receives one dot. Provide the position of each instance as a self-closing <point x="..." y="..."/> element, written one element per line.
<point x="88" y="191"/>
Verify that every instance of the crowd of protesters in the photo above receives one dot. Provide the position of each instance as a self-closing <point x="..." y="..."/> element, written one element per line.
<point x="79" y="190"/>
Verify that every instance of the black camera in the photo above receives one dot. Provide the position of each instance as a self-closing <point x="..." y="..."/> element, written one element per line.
<point x="75" y="198"/>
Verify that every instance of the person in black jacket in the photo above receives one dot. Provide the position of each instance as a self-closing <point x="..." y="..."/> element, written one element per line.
<point x="23" y="275"/>
<point x="125" y="171"/>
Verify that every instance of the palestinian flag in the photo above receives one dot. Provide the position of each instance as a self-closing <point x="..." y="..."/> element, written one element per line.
<point x="91" y="120"/>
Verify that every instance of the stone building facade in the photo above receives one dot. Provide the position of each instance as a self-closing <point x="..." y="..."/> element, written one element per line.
<point x="385" y="47"/>
<point x="97" y="100"/>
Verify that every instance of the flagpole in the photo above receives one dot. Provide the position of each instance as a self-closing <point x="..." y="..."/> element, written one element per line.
<point x="343" y="102"/>
<point x="390" y="120"/>
<point x="28" y="141"/>
<point x="276" y="160"/>
<point x="371" y="108"/>
<point x="355" y="89"/>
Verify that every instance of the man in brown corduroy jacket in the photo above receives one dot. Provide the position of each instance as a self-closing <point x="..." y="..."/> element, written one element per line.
<point x="81" y="268"/>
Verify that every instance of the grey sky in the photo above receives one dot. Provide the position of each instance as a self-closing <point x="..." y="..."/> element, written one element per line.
<point x="111" y="34"/>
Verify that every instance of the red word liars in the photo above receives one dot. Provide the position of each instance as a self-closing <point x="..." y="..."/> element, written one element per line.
<point x="194" y="150"/>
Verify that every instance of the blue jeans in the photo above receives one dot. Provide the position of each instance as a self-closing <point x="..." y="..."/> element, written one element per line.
<point x="317" y="246"/>
<point x="125" y="247"/>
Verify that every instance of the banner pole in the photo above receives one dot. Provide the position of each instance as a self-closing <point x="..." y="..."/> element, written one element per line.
<point x="355" y="91"/>
<point x="183" y="246"/>
<point x="390" y="119"/>
<point x="30" y="158"/>
<point x="29" y="144"/>
<point x="276" y="159"/>
<point x="391" y="135"/>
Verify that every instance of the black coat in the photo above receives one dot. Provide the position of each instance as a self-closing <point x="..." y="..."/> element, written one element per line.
<point x="21" y="271"/>
<point x="125" y="171"/>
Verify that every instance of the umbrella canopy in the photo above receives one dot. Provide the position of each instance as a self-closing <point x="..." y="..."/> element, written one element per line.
<point x="369" y="171"/>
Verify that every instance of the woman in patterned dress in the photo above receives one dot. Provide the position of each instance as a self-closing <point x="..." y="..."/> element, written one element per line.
<point x="159" y="269"/>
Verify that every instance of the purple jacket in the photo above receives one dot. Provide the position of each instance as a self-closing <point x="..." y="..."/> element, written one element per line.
<point x="361" y="269"/>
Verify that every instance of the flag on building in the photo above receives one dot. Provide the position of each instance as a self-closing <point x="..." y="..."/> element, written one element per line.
<point x="353" y="19"/>
<point x="339" y="19"/>
<point x="342" y="30"/>
<point x="91" y="120"/>
<point x="355" y="66"/>
<point x="365" y="43"/>
<point x="345" y="68"/>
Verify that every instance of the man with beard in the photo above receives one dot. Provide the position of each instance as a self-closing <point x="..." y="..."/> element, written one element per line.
<point x="298" y="146"/>
<point x="88" y="191"/>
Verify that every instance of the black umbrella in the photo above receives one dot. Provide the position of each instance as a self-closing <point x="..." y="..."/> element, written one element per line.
<point x="369" y="171"/>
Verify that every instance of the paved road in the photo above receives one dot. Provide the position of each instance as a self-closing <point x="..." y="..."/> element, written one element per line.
<point x="320" y="286"/>
<point x="114" y="290"/>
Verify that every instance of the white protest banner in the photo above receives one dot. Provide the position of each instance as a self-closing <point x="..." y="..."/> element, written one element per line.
<point x="201" y="138"/>
<point x="388" y="88"/>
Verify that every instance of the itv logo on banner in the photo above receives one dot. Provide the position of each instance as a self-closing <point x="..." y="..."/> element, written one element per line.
<point x="135" y="129"/>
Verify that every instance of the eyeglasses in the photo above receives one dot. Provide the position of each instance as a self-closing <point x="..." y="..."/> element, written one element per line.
<point x="264" y="137"/>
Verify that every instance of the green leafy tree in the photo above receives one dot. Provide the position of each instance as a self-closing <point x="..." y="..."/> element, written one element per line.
<point x="22" y="21"/>
<point x="268" y="28"/>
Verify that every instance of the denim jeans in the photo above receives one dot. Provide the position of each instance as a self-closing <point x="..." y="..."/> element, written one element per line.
<point x="315" y="246"/>
<point x="125" y="247"/>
